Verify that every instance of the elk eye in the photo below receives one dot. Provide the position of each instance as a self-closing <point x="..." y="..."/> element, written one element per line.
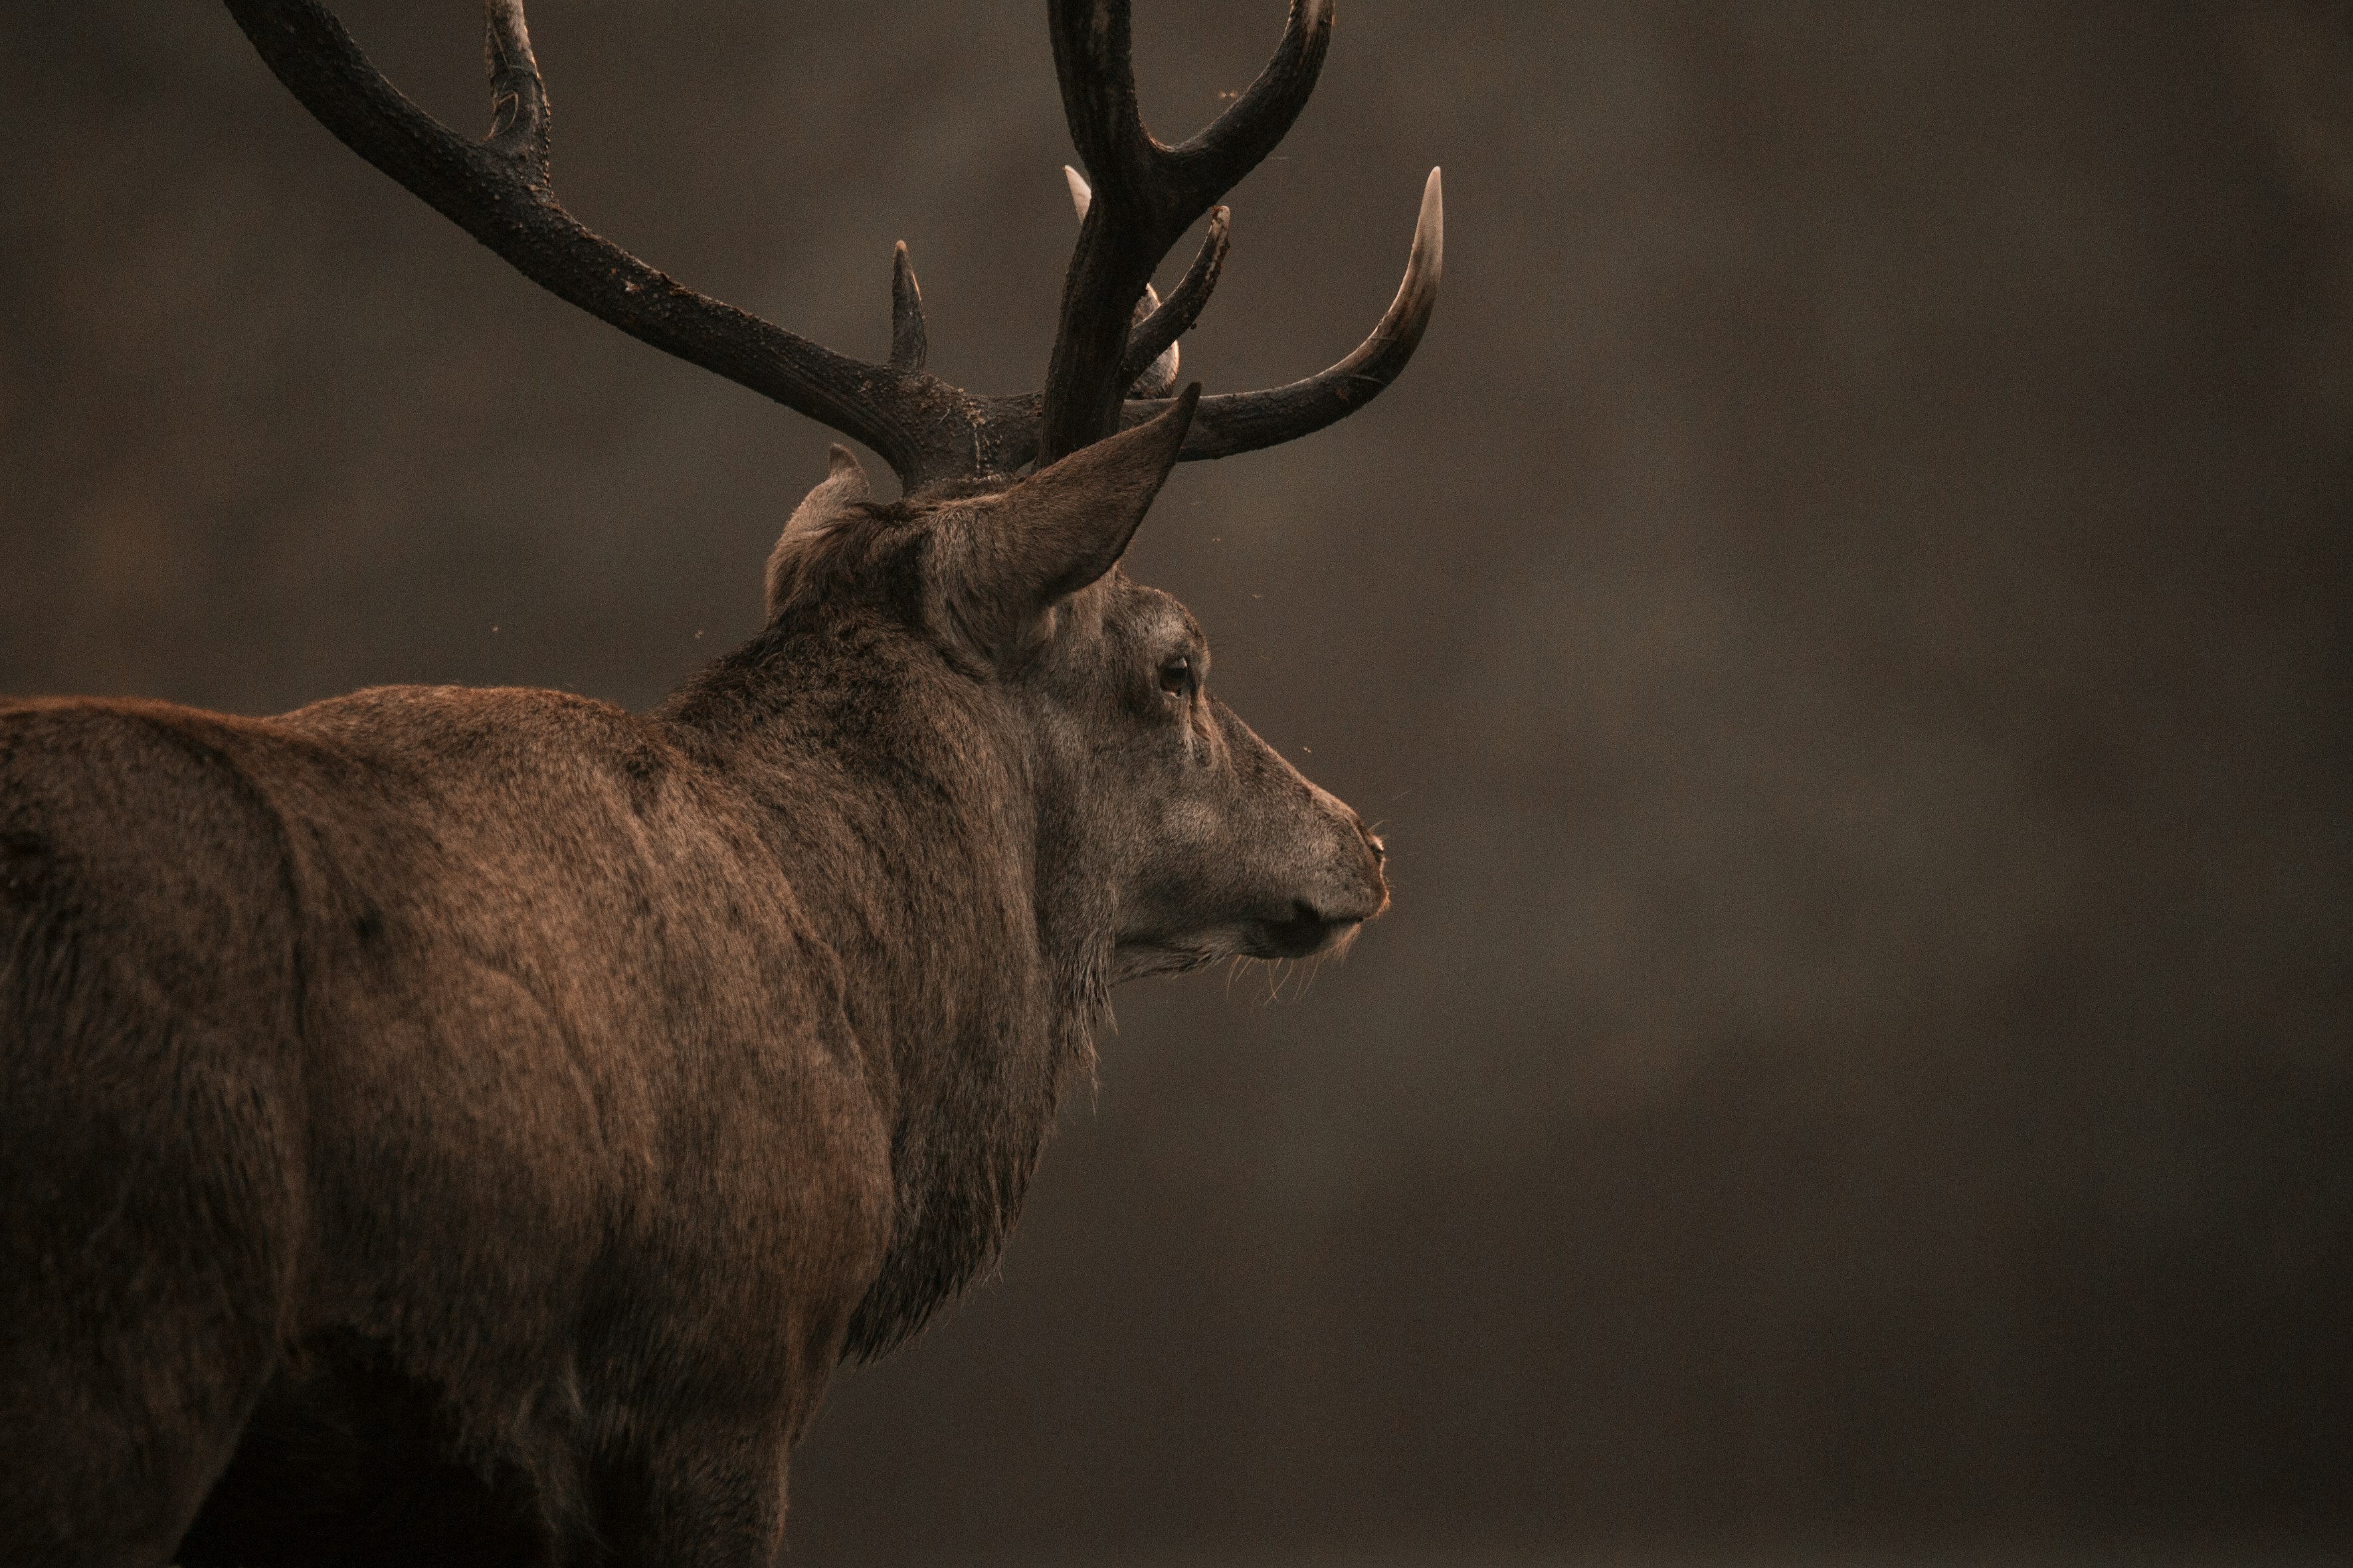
<point x="1177" y="677"/>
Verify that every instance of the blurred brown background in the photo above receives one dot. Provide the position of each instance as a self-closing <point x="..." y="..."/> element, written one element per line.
<point x="1845" y="624"/>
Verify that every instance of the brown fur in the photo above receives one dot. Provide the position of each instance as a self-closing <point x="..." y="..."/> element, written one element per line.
<point x="470" y="1125"/>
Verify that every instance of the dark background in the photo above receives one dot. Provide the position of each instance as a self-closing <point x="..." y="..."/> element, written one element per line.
<point x="1845" y="625"/>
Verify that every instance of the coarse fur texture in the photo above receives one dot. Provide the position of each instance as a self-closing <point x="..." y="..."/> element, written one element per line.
<point x="471" y="1126"/>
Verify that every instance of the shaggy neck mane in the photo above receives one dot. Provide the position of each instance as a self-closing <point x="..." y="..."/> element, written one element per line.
<point x="915" y="838"/>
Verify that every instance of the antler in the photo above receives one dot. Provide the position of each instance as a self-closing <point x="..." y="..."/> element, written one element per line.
<point x="930" y="433"/>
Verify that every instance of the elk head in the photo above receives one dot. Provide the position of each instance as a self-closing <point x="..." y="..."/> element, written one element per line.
<point x="1169" y="831"/>
<point x="1183" y="836"/>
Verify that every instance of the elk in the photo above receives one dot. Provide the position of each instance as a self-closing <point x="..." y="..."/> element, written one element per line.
<point x="471" y="1125"/>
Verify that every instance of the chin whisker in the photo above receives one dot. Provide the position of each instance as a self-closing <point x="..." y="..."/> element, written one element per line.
<point x="1314" y="967"/>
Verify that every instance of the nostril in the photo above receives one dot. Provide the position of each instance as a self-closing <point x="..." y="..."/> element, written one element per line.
<point x="1380" y="850"/>
<point x="1302" y="933"/>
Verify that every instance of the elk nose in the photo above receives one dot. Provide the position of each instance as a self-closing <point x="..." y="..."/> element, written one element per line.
<point x="1380" y="855"/>
<point x="1308" y="930"/>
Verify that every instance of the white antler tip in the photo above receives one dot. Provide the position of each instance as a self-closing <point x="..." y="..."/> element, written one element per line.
<point x="1430" y="229"/>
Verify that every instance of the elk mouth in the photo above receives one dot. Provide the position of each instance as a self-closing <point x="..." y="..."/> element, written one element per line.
<point x="1303" y="933"/>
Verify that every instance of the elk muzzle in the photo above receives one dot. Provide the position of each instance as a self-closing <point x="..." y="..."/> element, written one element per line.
<point x="1350" y="891"/>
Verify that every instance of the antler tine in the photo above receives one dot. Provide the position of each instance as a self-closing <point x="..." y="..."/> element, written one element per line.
<point x="1246" y="421"/>
<point x="1214" y="160"/>
<point x="1153" y="332"/>
<point x="1145" y="195"/>
<point x="1158" y="334"/>
<point x="518" y="96"/>
<point x="909" y="346"/>
<point x="1158" y="377"/>
<point x="497" y="190"/>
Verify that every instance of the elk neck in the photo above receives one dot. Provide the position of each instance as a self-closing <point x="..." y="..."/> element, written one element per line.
<point x="903" y="811"/>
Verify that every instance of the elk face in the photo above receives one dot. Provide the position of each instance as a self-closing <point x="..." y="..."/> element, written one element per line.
<point x="1182" y="836"/>
<point x="1216" y="846"/>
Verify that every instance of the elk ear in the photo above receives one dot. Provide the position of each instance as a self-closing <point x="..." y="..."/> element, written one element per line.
<point x="843" y="487"/>
<point x="1008" y="559"/>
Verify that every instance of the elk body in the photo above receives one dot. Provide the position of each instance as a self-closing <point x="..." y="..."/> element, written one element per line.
<point x="470" y="1125"/>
